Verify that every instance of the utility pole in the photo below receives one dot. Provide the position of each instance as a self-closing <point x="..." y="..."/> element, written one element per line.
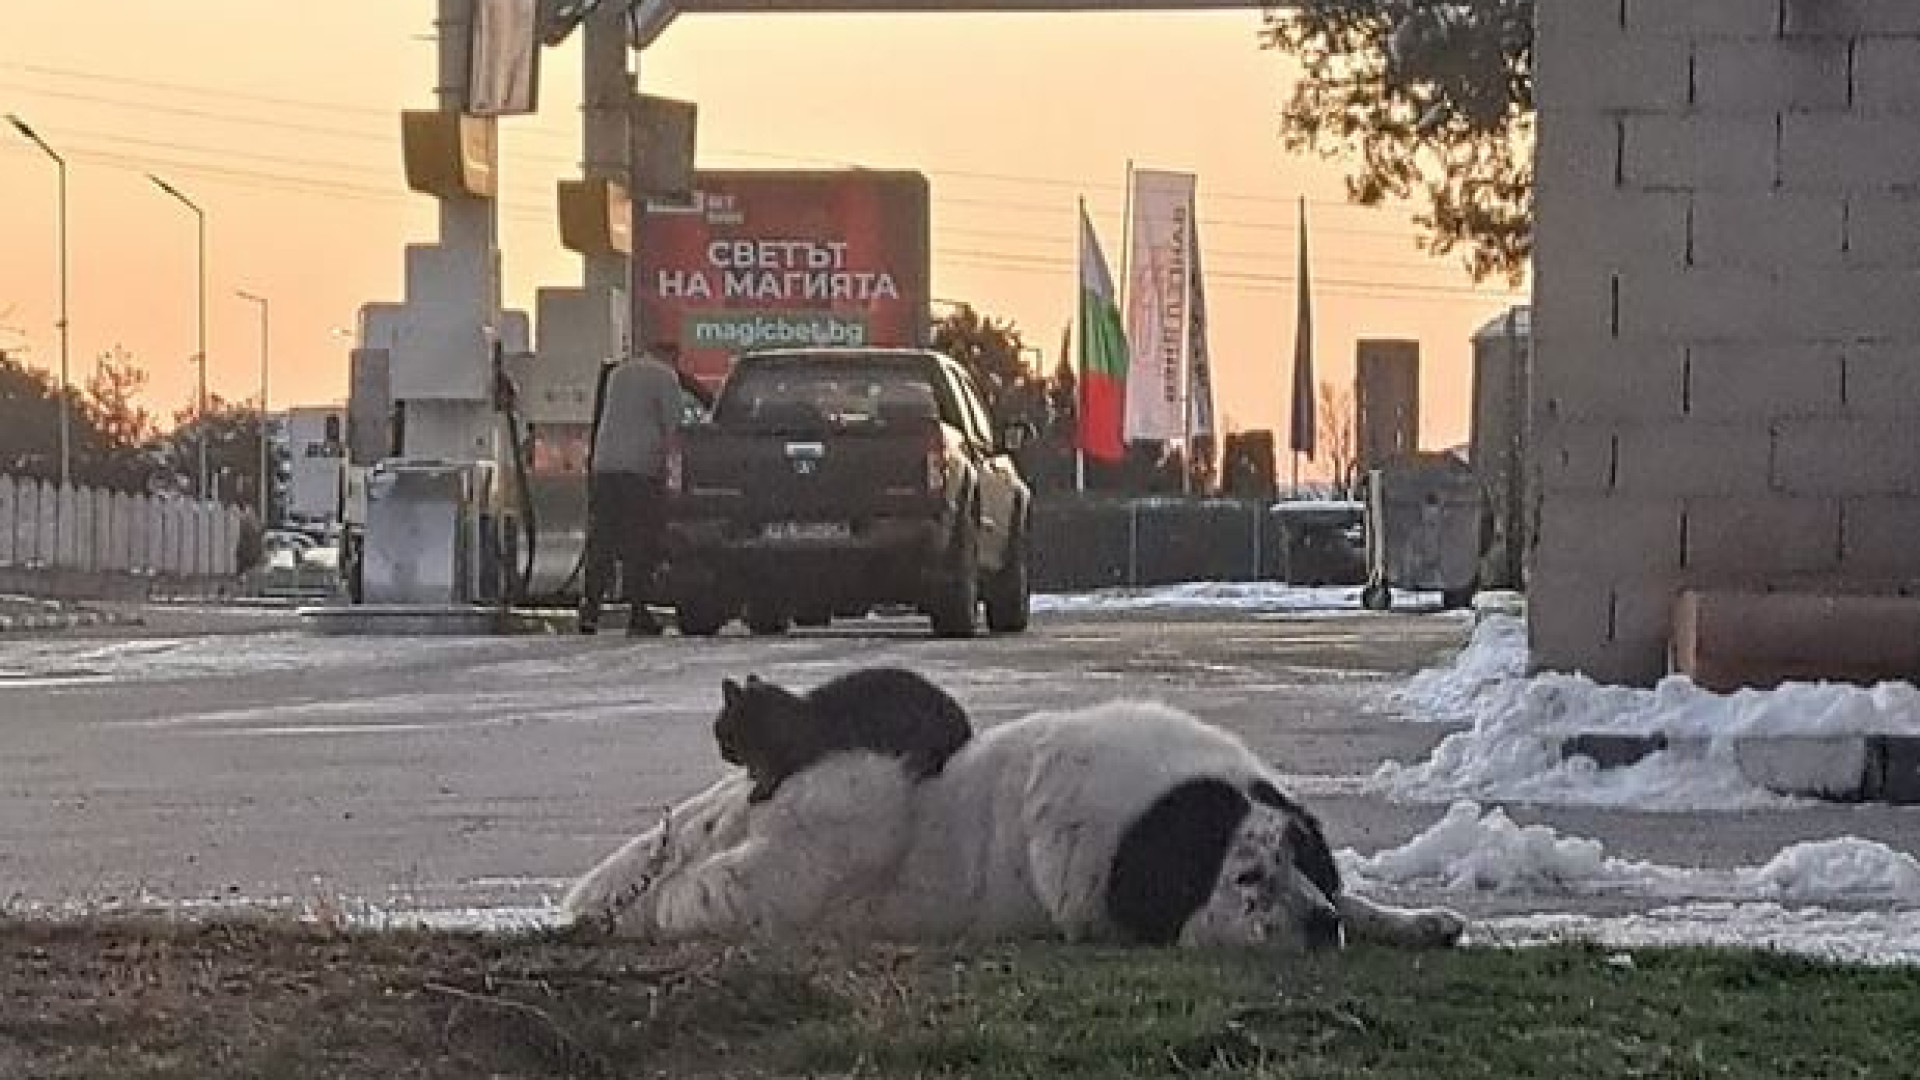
<point x="66" y="382"/>
<point x="266" y="483"/>
<point x="202" y="489"/>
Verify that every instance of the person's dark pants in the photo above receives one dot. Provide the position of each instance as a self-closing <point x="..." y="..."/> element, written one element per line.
<point x="623" y="512"/>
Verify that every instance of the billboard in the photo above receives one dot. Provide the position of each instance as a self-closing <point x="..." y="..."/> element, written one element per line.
<point x="771" y="259"/>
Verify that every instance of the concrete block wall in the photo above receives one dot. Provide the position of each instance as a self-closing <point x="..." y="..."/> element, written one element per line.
<point x="1497" y="440"/>
<point x="1726" y="386"/>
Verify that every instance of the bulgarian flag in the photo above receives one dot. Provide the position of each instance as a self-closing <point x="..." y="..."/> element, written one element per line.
<point x="1103" y="354"/>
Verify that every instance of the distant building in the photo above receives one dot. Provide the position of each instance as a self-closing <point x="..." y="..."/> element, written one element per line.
<point x="313" y="439"/>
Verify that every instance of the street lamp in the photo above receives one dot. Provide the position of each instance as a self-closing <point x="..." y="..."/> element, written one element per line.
<point x="66" y="407"/>
<point x="264" y="338"/>
<point x="200" y="356"/>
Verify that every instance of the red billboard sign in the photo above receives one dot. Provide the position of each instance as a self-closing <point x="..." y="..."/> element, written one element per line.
<point x="765" y="259"/>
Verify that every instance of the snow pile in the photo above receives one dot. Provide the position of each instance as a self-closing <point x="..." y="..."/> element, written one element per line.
<point x="1471" y="851"/>
<point x="1847" y="866"/>
<point x="1255" y="596"/>
<point x="1513" y="750"/>
<point x="1495" y="654"/>
<point x="1468" y="852"/>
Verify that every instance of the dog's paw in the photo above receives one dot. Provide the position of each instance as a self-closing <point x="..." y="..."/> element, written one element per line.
<point x="1435" y="928"/>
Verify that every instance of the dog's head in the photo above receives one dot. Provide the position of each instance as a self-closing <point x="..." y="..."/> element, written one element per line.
<point x="751" y="713"/>
<point x="1278" y="883"/>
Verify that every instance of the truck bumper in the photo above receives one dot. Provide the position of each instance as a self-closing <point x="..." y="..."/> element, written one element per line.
<point x="883" y="561"/>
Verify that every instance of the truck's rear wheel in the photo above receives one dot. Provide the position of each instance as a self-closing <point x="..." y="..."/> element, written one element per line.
<point x="700" y="618"/>
<point x="1009" y="593"/>
<point x="955" y="603"/>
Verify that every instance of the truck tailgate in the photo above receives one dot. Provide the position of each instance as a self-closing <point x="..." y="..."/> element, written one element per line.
<point x="835" y="477"/>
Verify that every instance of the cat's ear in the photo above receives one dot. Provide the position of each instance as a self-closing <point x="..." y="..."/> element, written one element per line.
<point x="730" y="691"/>
<point x="754" y="679"/>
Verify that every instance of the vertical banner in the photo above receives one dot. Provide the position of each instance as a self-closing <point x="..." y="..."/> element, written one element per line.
<point x="1199" y="359"/>
<point x="1158" y="295"/>
<point x="1305" y="421"/>
<point x="503" y="73"/>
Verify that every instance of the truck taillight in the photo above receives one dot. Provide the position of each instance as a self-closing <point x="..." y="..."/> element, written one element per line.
<point x="936" y="463"/>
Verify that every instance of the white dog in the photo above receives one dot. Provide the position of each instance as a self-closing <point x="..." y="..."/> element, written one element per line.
<point x="1123" y="822"/>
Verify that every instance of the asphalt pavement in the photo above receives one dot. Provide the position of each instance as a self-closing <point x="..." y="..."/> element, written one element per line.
<point x="217" y="756"/>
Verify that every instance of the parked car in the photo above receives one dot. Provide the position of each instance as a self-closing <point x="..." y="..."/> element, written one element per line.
<point x="831" y="481"/>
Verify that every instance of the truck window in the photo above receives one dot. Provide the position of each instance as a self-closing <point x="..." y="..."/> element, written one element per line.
<point x="976" y="427"/>
<point x="977" y="404"/>
<point x="825" y="396"/>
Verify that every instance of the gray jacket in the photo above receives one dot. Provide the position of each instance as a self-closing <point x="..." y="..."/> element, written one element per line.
<point x="637" y="421"/>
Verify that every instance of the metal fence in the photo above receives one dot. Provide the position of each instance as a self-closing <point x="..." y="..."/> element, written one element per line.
<point x="1091" y="544"/>
<point x="76" y="539"/>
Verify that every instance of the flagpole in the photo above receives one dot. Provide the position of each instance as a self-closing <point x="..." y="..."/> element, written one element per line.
<point x="1125" y="297"/>
<point x="1079" y="319"/>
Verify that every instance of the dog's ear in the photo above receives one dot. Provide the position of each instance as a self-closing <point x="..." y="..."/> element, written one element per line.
<point x="730" y="691"/>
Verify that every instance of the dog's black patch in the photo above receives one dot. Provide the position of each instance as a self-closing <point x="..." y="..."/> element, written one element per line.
<point x="1310" y="852"/>
<point x="1266" y="793"/>
<point x="1169" y="860"/>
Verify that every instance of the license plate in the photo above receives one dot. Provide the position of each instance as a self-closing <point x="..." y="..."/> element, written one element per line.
<point x="805" y="530"/>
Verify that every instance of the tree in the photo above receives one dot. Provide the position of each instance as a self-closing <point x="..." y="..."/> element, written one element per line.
<point x="1063" y="397"/>
<point x="1337" y="436"/>
<point x="233" y="450"/>
<point x="113" y="400"/>
<point x="120" y="452"/>
<point x="1431" y="101"/>
<point x="991" y="351"/>
<point x="29" y="421"/>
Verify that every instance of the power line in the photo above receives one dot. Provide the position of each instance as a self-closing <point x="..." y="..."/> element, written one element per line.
<point x="1027" y="179"/>
<point x="1055" y="265"/>
<point x="311" y="179"/>
<point x="1247" y="284"/>
<point x="390" y="140"/>
<point x="1010" y="261"/>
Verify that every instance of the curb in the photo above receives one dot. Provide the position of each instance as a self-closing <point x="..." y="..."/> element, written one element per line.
<point x="1837" y="768"/>
<point x="64" y="620"/>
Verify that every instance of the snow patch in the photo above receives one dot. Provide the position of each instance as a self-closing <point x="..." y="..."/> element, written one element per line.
<point x="1854" y="937"/>
<point x="1519" y="722"/>
<point x="1470" y="851"/>
<point x="1255" y="596"/>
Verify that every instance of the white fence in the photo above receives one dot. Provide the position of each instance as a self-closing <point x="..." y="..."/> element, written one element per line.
<point x="52" y="529"/>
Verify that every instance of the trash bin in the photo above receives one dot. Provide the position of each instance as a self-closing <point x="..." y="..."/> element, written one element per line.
<point x="1424" y="517"/>
<point x="1319" y="542"/>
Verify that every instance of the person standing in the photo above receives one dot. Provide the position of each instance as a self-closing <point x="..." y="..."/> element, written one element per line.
<point x="626" y="491"/>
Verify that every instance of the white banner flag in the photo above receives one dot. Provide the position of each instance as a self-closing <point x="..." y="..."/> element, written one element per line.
<point x="1199" y="359"/>
<point x="1159" y="291"/>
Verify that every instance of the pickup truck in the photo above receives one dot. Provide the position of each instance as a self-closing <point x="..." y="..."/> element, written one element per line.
<point x="830" y="482"/>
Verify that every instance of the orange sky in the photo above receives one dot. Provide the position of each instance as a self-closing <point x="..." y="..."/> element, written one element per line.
<point x="282" y="121"/>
